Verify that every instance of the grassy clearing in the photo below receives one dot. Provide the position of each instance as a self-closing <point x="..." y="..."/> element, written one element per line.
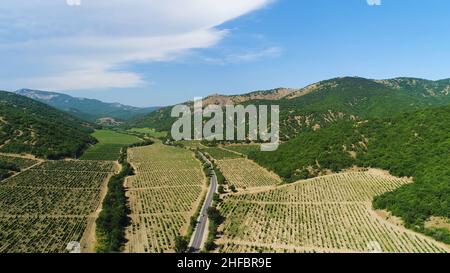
<point x="109" y="145"/>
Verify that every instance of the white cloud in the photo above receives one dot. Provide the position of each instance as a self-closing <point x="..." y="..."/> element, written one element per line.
<point x="73" y="2"/>
<point x="90" y="77"/>
<point x="51" y="45"/>
<point x="374" y="2"/>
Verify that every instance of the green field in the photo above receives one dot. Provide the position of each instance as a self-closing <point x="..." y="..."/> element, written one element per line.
<point x="109" y="145"/>
<point x="149" y="132"/>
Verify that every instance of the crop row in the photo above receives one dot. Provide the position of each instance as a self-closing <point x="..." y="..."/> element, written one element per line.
<point x="328" y="214"/>
<point x="162" y="195"/>
<point x="35" y="178"/>
<point x="39" y="234"/>
<point x="154" y="233"/>
<point x="161" y="200"/>
<point x="244" y="173"/>
<point x="47" y="206"/>
<point x="345" y="187"/>
<point x="76" y="166"/>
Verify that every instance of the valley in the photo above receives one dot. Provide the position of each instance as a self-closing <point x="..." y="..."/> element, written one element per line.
<point x="362" y="167"/>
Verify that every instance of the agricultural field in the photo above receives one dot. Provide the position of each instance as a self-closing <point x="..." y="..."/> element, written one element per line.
<point x="244" y="149"/>
<point x="219" y="153"/>
<point x="244" y="173"/>
<point x="109" y="145"/>
<point x="149" y="132"/>
<point x="326" y="214"/>
<point x="44" y="208"/>
<point x="163" y="195"/>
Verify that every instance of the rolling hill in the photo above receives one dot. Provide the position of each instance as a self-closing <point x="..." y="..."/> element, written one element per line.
<point x="87" y="109"/>
<point x="29" y="126"/>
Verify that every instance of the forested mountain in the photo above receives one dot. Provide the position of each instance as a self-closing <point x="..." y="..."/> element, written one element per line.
<point x="412" y="144"/>
<point x="87" y="109"/>
<point x="29" y="126"/>
<point x="349" y="99"/>
<point x="327" y="102"/>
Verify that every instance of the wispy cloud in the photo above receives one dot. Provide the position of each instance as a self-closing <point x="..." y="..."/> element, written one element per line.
<point x="273" y="51"/>
<point x="77" y="44"/>
<point x="374" y="2"/>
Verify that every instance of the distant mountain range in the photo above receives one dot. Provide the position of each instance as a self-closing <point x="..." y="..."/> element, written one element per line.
<point x="87" y="109"/>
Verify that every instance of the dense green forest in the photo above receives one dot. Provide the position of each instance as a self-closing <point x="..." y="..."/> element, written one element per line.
<point x="28" y="126"/>
<point x="7" y="169"/>
<point x="414" y="144"/>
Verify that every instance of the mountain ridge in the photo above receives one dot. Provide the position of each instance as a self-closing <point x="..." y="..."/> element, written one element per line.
<point x="88" y="109"/>
<point x="318" y="104"/>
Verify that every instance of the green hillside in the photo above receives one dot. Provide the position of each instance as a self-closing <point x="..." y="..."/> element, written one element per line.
<point x="159" y="120"/>
<point x="28" y="126"/>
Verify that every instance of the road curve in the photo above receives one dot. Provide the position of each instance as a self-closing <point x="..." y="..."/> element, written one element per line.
<point x="201" y="229"/>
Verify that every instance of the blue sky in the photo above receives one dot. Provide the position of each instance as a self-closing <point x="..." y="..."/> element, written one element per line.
<point x="154" y="52"/>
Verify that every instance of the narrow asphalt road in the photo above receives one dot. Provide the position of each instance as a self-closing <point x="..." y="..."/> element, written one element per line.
<point x="201" y="229"/>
